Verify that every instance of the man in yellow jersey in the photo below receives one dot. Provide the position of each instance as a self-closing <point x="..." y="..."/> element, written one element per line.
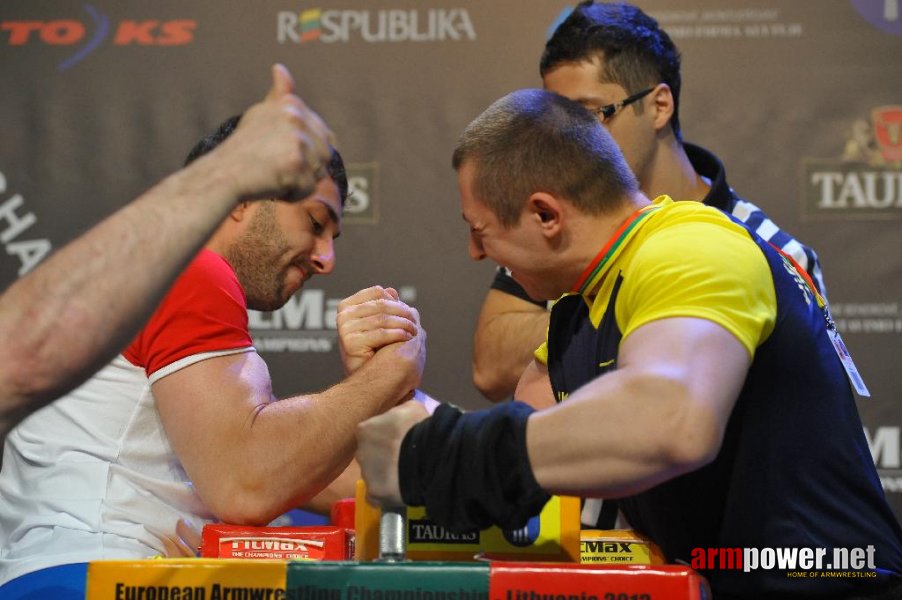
<point x="619" y="63"/>
<point x="703" y="387"/>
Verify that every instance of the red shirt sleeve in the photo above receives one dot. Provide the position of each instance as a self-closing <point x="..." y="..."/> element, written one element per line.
<point x="205" y="311"/>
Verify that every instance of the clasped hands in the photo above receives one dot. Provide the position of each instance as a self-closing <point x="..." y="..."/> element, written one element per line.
<point x="371" y="322"/>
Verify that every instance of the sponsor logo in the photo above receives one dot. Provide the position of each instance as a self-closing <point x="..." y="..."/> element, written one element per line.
<point x="797" y="562"/>
<point x="601" y="551"/>
<point x="885" y="15"/>
<point x="256" y="543"/>
<point x="866" y="183"/>
<point x="716" y="23"/>
<point x="263" y="547"/>
<point x="15" y="221"/>
<point x="885" y="444"/>
<point x="422" y="531"/>
<point x="361" y="207"/>
<point x="526" y="535"/>
<point x="374" y="26"/>
<point x="305" y="324"/>
<point x="89" y="33"/>
<point x="888" y="131"/>
<point x="867" y="317"/>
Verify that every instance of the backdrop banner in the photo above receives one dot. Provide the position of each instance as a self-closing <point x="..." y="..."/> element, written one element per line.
<point x="800" y="99"/>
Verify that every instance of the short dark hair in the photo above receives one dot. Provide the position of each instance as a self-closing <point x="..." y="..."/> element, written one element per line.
<point x="335" y="167"/>
<point x="535" y="140"/>
<point x="336" y="170"/>
<point x="637" y="53"/>
<point x="207" y="143"/>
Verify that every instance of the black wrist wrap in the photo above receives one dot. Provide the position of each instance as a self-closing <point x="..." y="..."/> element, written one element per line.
<point x="471" y="470"/>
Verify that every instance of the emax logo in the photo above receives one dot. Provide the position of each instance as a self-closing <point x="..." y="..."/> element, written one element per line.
<point x="305" y="324"/>
<point x="69" y="32"/>
<point x="612" y="547"/>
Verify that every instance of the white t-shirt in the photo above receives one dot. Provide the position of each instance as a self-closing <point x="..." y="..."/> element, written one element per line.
<point x="92" y="475"/>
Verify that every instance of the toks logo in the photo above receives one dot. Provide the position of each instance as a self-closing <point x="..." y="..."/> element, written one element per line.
<point x="867" y="181"/>
<point x="71" y="32"/>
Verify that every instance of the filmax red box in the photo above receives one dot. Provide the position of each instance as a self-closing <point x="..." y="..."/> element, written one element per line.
<point x="294" y="543"/>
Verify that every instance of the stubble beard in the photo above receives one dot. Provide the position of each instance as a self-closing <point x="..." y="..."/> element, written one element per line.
<point x="255" y="256"/>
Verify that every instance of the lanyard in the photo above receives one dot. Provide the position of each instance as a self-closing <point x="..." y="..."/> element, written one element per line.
<point x="610" y="248"/>
<point x="842" y="352"/>
<point x="821" y="302"/>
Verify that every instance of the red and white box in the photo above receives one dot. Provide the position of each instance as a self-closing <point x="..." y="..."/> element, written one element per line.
<point x="287" y="543"/>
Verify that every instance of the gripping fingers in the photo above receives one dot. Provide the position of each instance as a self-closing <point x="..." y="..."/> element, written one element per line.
<point x="374" y="302"/>
<point x="364" y="337"/>
<point x="370" y="318"/>
<point x="375" y="292"/>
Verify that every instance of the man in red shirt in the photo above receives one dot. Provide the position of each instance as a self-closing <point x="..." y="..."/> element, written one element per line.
<point x="78" y="308"/>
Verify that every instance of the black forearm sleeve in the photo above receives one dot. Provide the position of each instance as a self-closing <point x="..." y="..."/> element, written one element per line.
<point x="471" y="470"/>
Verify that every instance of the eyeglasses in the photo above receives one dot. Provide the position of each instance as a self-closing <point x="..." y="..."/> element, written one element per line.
<point x="610" y="110"/>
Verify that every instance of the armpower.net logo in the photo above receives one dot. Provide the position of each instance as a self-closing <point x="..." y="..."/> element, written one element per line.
<point x="807" y="563"/>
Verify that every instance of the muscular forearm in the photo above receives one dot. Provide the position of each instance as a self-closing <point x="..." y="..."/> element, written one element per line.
<point x="78" y="309"/>
<point x="291" y="450"/>
<point x="503" y="347"/>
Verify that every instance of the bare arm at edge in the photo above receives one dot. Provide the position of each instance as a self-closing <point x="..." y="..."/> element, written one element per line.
<point x="509" y="329"/>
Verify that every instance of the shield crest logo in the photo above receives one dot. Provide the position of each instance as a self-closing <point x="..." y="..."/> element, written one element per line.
<point x="888" y="131"/>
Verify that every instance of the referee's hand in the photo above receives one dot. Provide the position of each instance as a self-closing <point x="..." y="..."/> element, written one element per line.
<point x="280" y="148"/>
